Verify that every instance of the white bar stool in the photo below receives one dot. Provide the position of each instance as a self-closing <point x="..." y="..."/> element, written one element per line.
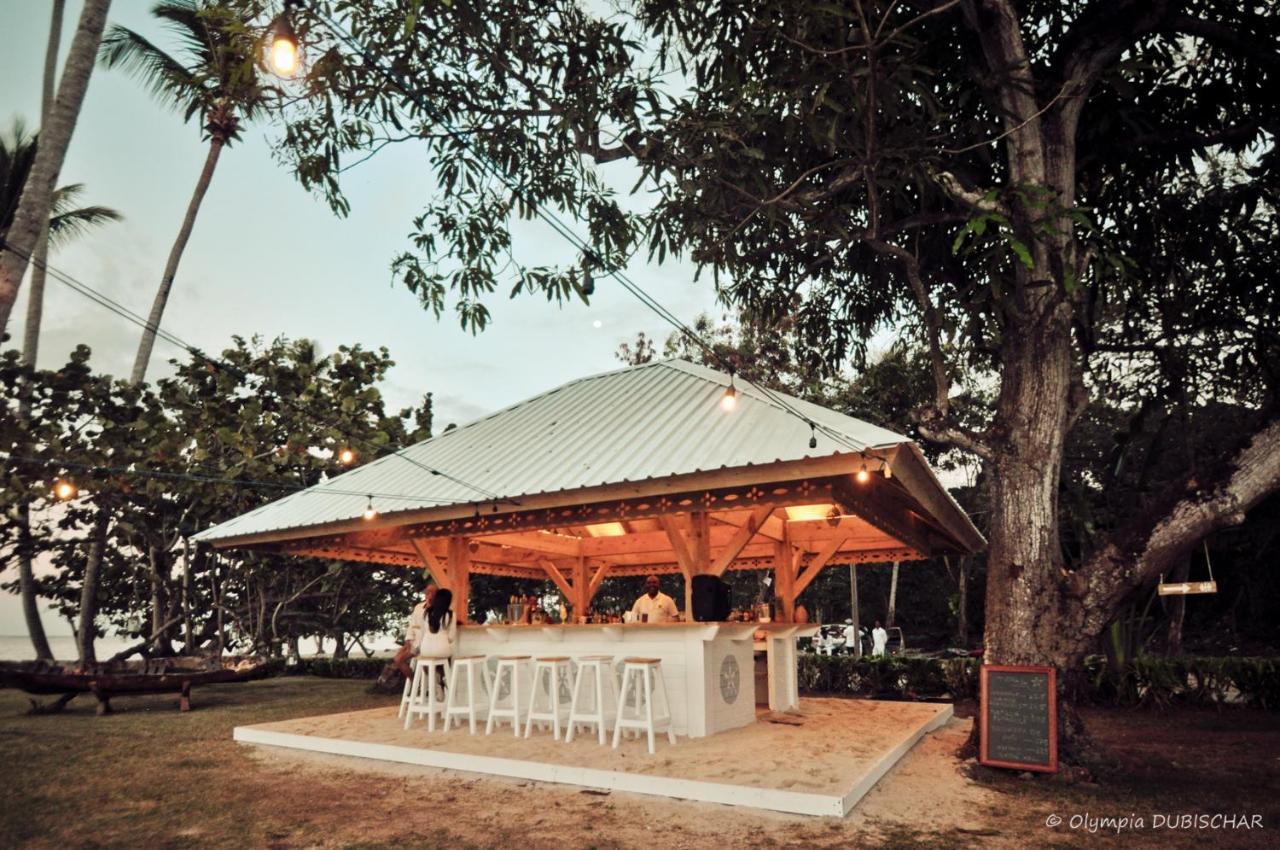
<point x="425" y="695"/>
<point x="558" y="673"/>
<point x="640" y="674"/>
<point x="596" y="672"/>
<point x="476" y="673"/>
<point x="517" y="669"/>
<point x="408" y="686"/>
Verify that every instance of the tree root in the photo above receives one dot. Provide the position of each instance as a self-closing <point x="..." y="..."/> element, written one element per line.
<point x="54" y="707"/>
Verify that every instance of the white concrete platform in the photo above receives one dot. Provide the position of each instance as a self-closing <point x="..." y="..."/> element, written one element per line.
<point x="821" y="761"/>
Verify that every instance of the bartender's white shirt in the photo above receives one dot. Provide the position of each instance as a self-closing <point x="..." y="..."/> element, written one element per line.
<point x="413" y="633"/>
<point x="660" y="608"/>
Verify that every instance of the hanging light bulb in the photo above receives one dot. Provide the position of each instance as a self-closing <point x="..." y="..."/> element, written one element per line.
<point x="370" y="513"/>
<point x="347" y="457"/>
<point x="813" y="435"/>
<point x="64" y="490"/>
<point x="862" y="475"/>
<point x="283" y="56"/>
<point x="730" y="398"/>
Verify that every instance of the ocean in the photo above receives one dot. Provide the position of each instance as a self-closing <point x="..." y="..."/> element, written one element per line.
<point x="18" y="647"/>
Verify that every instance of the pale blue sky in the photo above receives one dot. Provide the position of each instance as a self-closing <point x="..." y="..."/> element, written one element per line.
<point x="267" y="258"/>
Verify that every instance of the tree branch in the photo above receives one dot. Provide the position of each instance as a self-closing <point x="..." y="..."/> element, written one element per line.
<point x="1151" y="543"/>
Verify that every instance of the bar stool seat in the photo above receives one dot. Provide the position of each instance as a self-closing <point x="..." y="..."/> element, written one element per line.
<point x="557" y="673"/>
<point x="425" y="693"/>
<point x="476" y="672"/>
<point x="600" y="704"/>
<point x="642" y="679"/>
<point x="516" y="668"/>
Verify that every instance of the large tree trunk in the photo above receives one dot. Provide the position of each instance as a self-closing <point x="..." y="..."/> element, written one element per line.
<point x="89" y="588"/>
<point x="55" y="136"/>
<point x="39" y="259"/>
<point x="171" y="265"/>
<point x="1030" y="617"/>
<point x="30" y="348"/>
<point x="893" y="597"/>
<point x="158" y="559"/>
<point x="27" y="584"/>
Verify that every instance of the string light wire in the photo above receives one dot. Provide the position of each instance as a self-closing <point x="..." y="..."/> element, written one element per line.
<point x="561" y="227"/>
<point x="125" y="313"/>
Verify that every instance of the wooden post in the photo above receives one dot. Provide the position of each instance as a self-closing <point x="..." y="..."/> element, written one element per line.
<point x="460" y="573"/>
<point x="582" y="593"/>
<point x="853" y="599"/>
<point x="784" y="572"/>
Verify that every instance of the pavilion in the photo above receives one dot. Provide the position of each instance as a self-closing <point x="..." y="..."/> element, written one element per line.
<point x="636" y="471"/>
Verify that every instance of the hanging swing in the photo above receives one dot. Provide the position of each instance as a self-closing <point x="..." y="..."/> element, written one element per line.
<point x="1187" y="588"/>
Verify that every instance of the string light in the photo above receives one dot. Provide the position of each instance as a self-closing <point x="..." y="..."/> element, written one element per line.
<point x="863" y="476"/>
<point x="370" y="513"/>
<point x="347" y="457"/>
<point x="730" y="399"/>
<point x="64" y="490"/>
<point x="283" y="54"/>
<point x="813" y="435"/>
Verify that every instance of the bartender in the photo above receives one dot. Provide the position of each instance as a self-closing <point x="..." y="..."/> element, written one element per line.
<point x="654" y="606"/>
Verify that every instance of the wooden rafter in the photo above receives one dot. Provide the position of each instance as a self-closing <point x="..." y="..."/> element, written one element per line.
<point x="740" y="539"/>
<point x="437" y="566"/>
<point x="553" y="572"/>
<point x="816" y="563"/>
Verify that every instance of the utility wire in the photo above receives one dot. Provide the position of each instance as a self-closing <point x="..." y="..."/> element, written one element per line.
<point x="128" y="315"/>
<point x="561" y="227"/>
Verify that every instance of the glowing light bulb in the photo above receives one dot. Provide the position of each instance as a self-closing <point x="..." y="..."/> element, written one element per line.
<point x="284" y="54"/>
<point x="887" y="470"/>
<point x="346" y="457"/>
<point x="863" y="476"/>
<point x="64" y="490"/>
<point x="597" y="324"/>
<point x="730" y="398"/>
<point x="369" y="512"/>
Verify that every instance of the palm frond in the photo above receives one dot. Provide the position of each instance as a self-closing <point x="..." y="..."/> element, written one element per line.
<point x="166" y="77"/>
<point x="75" y="222"/>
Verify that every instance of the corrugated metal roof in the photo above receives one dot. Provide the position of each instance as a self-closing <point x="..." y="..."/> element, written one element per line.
<point x="651" y="421"/>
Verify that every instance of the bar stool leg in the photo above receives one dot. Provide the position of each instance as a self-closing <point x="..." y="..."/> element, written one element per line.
<point x="555" y="702"/>
<point x="666" y="704"/>
<point x="533" y="700"/>
<point x="573" y="703"/>
<point x="648" y="707"/>
<point x="493" y="699"/>
<point x="617" y="726"/>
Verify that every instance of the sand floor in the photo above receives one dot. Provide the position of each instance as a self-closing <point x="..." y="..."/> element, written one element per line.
<point x="823" y="749"/>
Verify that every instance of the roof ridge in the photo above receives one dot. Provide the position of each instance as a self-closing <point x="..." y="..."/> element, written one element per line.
<point x="526" y="401"/>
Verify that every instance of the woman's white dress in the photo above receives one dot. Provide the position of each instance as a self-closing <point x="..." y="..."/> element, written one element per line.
<point x="439" y="644"/>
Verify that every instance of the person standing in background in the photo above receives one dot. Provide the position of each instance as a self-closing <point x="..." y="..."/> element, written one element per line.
<point x="879" y="639"/>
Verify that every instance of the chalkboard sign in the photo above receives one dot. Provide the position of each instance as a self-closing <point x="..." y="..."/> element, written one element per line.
<point x="1019" y="717"/>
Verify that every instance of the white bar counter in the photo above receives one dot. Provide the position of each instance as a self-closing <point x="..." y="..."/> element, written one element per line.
<point x="708" y="668"/>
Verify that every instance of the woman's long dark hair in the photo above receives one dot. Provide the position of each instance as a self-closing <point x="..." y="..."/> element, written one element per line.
<point x="439" y="608"/>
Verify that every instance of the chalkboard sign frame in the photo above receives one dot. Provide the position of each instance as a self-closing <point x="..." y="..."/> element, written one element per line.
<point x="1051" y="679"/>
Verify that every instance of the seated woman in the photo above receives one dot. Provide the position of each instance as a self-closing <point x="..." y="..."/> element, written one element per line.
<point x="440" y="632"/>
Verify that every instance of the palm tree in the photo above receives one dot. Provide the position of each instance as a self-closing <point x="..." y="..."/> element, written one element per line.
<point x="216" y="79"/>
<point x="66" y="220"/>
<point x="31" y="214"/>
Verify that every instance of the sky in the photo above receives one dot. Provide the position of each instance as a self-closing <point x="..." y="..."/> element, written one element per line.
<point x="266" y="258"/>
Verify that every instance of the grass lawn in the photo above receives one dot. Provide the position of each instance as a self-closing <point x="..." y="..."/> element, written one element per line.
<point x="149" y="776"/>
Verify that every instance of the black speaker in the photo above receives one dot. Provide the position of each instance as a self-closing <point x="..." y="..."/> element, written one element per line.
<point x="710" y="599"/>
